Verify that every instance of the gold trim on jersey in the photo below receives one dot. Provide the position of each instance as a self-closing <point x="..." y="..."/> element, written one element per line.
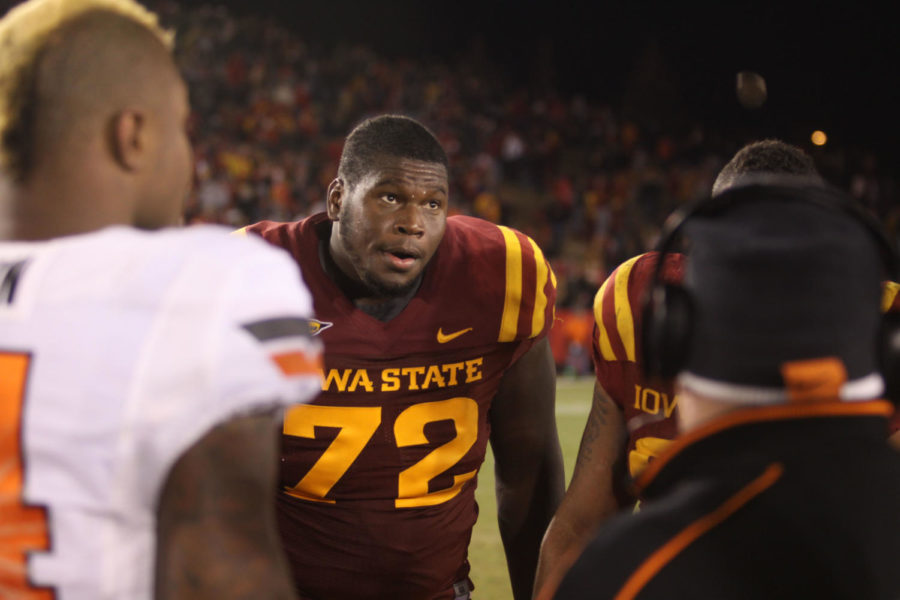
<point x="624" y="315"/>
<point x="242" y="232"/>
<point x="509" y="321"/>
<point x="888" y="294"/>
<point x="606" y="350"/>
<point x="540" y="299"/>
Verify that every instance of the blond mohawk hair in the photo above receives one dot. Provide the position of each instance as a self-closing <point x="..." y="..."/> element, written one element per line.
<point x="24" y="33"/>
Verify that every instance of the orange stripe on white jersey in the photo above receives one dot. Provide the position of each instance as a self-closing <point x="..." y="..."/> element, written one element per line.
<point x="298" y="363"/>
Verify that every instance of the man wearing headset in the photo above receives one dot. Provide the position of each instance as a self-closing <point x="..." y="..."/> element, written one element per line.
<point x="633" y="417"/>
<point x="781" y="484"/>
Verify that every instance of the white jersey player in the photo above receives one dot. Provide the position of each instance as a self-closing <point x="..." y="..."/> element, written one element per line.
<point x="119" y="350"/>
<point x="141" y="372"/>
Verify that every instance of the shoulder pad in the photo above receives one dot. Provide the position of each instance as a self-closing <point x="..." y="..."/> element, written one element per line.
<point x="529" y="284"/>
<point x="525" y="263"/>
<point x="890" y="302"/>
<point x="618" y="305"/>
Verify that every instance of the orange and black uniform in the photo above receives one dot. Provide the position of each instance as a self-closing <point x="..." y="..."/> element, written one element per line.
<point x="649" y="407"/>
<point x="379" y="472"/>
<point x="791" y="501"/>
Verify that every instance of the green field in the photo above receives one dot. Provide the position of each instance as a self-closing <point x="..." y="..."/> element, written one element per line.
<point x="573" y="400"/>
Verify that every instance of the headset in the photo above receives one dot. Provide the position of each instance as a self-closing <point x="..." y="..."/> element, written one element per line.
<point x="668" y="311"/>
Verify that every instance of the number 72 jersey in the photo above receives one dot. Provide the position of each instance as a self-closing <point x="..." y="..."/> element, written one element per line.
<point x="379" y="472"/>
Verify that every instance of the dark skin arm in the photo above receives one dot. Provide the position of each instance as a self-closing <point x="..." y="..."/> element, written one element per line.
<point x="529" y="471"/>
<point x="591" y="497"/>
<point x="894" y="440"/>
<point x="216" y="518"/>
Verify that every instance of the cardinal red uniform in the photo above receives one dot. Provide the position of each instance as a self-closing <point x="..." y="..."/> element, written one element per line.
<point x="379" y="472"/>
<point x="649" y="407"/>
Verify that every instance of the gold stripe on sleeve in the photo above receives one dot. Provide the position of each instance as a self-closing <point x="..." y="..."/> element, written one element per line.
<point x="509" y="322"/>
<point x="540" y="298"/>
<point x="606" y="350"/>
<point x="888" y="293"/>
<point x="624" y="316"/>
<point x="242" y="232"/>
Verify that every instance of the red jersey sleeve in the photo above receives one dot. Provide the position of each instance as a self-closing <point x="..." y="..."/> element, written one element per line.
<point x="618" y="309"/>
<point x="648" y="408"/>
<point x="529" y="291"/>
<point x="506" y="276"/>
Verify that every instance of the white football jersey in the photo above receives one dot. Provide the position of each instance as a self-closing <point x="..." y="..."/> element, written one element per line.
<point x="119" y="350"/>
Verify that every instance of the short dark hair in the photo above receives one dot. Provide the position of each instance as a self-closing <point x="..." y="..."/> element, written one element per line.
<point x="387" y="135"/>
<point x="765" y="156"/>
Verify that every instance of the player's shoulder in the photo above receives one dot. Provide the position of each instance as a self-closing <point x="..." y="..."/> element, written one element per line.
<point x="479" y="235"/>
<point x="126" y="249"/>
<point x="217" y="248"/>
<point x="638" y="272"/>
<point x="264" y="228"/>
<point x="285" y="234"/>
<point x="890" y="298"/>
<point x="184" y="263"/>
<point x="470" y="238"/>
<point x="214" y="238"/>
<point x="505" y="270"/>
<point x="467" y="226"/>
<point x="618" y="304"/>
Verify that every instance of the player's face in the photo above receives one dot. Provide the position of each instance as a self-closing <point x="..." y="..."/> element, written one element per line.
<point x="172" y="174"/>
<point x="390" y="223"/>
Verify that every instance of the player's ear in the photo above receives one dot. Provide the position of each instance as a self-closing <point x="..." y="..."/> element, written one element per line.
<point x="335" y="199"/>
<point x="128" y="139"/>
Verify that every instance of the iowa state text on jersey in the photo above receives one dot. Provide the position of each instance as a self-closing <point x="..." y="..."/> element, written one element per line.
<point x="379" y="473"/>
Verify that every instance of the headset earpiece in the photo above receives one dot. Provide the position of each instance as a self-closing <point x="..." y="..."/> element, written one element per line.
<point x="668" y="313"/>
<point x="668" y="325"/>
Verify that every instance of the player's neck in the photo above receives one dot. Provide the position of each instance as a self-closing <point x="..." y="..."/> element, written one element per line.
<point x="695" y="411"/>
<point x="381" y="307"/>
<point x="47" y="206"/>
<point x="386" y="308"/>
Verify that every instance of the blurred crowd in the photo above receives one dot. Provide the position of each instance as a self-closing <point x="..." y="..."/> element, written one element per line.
<point x="589" y="184"/>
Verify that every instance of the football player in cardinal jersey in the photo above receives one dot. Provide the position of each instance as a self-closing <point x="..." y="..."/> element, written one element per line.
<point x="142" y="372"/>
<point x="435" y="343"/>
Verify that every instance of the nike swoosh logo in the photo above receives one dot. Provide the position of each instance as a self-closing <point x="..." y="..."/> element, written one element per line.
<point x="443" y="338"/>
